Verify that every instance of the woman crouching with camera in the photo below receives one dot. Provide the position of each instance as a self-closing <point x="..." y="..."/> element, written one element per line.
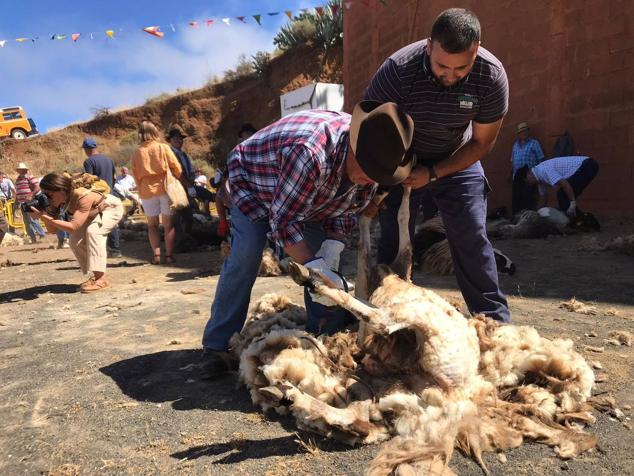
<point x="92" y="217"/>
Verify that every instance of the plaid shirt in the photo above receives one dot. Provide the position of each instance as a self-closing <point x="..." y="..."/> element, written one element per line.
<point x="292" y="172"/>
<point x="530" y="154"/>
<point x="549" y="172"/>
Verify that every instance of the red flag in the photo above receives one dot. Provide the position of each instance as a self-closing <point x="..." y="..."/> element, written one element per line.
<point x="241" y="19"/>
<point x="320" y="11"/>
<point x="334" y="9"/>
<point x="210" y="22"/>
<point x="154" y="31"/>
<point x="75" y="36"/>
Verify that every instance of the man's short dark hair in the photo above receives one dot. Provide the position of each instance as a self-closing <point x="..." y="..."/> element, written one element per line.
<point x="456" y="30"/>
<point x="521" y="174"/>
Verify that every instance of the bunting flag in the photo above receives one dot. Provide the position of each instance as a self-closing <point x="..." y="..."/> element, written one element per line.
<point x="154" y="30"/>
<point x="258" y="18"/>
<point x="21" y="40"/>
<point x="209" y="23"/>
<point x="92" y="37"/>
<point x="193" y="24"/>
<point x="242" y="19"/>
<point x="2" y="43"/>
<point x="334" y="9"/>
<point x="75" y="36"/>
<point x="58" y="37"/>
<point x="271" y="14"/>
<point x="289" y="14"/>
<point x="226" y="21"/>
<point x="320" y="11"/>
<point x="110" y="33"/>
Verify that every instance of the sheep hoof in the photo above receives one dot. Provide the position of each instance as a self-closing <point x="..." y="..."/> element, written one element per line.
<point x="299" y="273"/>
<point x="272" y="392"/>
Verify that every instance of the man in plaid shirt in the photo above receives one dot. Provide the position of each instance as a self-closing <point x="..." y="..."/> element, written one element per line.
<point x="526" y="152"/>
<point x="301" y="181"/>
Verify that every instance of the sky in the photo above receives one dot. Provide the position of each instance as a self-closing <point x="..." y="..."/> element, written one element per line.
<point x="59" y="82"/>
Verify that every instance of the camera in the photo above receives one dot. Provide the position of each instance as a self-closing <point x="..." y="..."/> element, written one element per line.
<point x="39" y="202"/>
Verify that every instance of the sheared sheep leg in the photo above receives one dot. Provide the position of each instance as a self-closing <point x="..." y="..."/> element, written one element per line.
<point x="402" y="264"/>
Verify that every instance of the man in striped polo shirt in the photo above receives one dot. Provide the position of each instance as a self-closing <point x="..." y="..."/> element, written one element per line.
<point x="26" y="187"/>
<point x="457" y="94"/>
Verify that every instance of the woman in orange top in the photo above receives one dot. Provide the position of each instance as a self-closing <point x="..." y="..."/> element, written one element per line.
<point x="150" y="163"/>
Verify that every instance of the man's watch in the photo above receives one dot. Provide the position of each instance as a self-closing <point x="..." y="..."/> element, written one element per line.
<point x="432" y="174"/>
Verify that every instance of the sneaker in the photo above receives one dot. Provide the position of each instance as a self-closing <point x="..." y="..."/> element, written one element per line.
<point x="114" y="253"/>
<point x="214" y="363"/>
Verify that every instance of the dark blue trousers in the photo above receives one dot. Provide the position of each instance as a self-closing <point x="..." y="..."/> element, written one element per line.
<point x="585" y="174"/>
<point x="461" y="199"/>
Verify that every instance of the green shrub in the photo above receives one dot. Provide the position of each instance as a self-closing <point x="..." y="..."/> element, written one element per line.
<point x="261" y="62"/>
<point x="324" y="31"/>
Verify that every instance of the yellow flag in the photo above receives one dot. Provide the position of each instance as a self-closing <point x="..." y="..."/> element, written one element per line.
<point x="110" y="33"/>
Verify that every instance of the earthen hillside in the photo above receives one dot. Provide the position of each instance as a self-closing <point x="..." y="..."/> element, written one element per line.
<point x="211" y="116"/>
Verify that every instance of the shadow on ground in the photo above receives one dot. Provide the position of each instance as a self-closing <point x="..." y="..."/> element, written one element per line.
<point x="34" y="292"/>
<point x="171" y="376"/>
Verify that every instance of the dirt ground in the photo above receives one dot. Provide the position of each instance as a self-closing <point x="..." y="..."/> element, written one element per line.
<point x="104" y="383"/>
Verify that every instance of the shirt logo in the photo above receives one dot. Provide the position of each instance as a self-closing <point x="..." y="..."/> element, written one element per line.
<point x="467" y="101"/>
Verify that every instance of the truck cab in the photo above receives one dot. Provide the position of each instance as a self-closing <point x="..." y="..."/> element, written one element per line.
<point x="15" y="124"/>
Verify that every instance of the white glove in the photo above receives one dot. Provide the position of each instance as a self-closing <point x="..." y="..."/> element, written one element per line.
<point x="191" y="191"/>
<point x="572" y="209"/>
<point x="330" y="251"/>
<point x="319" y="264"/>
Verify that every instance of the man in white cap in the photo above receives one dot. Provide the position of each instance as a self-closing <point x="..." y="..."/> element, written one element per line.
<point x="301" y="182"/>
<point x="26" y="187"/>
<point x="526" y="152"/>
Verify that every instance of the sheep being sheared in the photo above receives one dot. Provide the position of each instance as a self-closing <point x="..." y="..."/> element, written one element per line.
<point x="419" y="374"/>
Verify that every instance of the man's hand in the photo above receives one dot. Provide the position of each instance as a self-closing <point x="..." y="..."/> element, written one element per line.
<point x="572" y="209"/>
<point x="223" y="228"/>
<point x="418" y="177"/>
<point x="333" y="279"/>
<point x="330" y="251"/>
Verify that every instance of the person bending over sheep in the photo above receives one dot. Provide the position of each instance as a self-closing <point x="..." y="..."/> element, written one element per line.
<point x="301" y="181"/>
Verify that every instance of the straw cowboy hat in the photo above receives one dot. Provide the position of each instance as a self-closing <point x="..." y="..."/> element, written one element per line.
<point x="21" y="166"/>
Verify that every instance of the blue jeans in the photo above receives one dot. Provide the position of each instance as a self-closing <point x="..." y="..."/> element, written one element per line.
<point x="461" y="199"/>
<point x="238" y="274"/>
<point x="31" y="226"/>
<point x="62" y="235"/>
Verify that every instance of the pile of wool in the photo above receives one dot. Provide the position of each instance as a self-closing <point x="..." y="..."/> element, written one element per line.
<point x="422" y="378"/>
<point x="14" y="240"/>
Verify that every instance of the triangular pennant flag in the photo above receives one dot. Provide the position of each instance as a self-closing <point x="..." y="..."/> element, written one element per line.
<point x="209" y="23"/>
<point x="289" y="14"/>
<point x="348" y="5"/>
<point x="60" y="37"/>
<point x="226" y="21"/>
<point x="172" y="27"/>
<point x="258" y="18"/>
<point x="334" y="9"/>
<point x="75" y="36"/>
<point x="92" y="37"/>
<point x="273" y="14"/>
<point x="35" y="39"/>
<point x="193" y="24"/>
<point x="320" y="11"/>
<point x="2" y="43"/>
<point x="110" y="33"/>
<point x="21" y="40"/>
<point x="242" y="19"/>
<point x="154" y="30"/>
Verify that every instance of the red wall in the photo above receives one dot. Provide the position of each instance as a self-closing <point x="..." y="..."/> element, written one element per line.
<point x="570" y="66"/>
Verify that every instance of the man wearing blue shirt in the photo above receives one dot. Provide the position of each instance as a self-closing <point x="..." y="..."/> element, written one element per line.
<point x="526" y="152"/>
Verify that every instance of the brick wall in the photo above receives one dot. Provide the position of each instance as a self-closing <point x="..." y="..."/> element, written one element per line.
<point x="570" y="66"/>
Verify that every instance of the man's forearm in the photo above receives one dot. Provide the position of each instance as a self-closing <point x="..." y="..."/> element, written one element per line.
<point x="570" y="193"/>
<point x="467" y="155"/>
<point x="300" y="252"/>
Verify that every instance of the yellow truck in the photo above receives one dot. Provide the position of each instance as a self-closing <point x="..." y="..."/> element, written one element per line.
<point x="14" y="123"/>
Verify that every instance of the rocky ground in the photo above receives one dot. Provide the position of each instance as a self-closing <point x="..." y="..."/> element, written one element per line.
<point x="104" y="383"/>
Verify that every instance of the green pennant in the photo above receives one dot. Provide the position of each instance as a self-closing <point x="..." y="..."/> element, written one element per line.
<point x="257" y="19"/>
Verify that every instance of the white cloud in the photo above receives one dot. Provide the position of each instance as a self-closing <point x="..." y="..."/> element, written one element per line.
<point x="60" y="81"/>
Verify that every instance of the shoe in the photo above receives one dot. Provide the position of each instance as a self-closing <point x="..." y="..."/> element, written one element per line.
<point x="112" y="253"/>
<point x="92" y="286"/>
<point x="215" y="363"/>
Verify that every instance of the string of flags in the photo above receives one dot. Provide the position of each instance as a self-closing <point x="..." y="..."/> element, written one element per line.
<point x="156" y="31"/>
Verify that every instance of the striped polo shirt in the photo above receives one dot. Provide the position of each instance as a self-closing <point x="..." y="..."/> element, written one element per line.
<point x="24" y="186"/>
<point x="442" y="115"/>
